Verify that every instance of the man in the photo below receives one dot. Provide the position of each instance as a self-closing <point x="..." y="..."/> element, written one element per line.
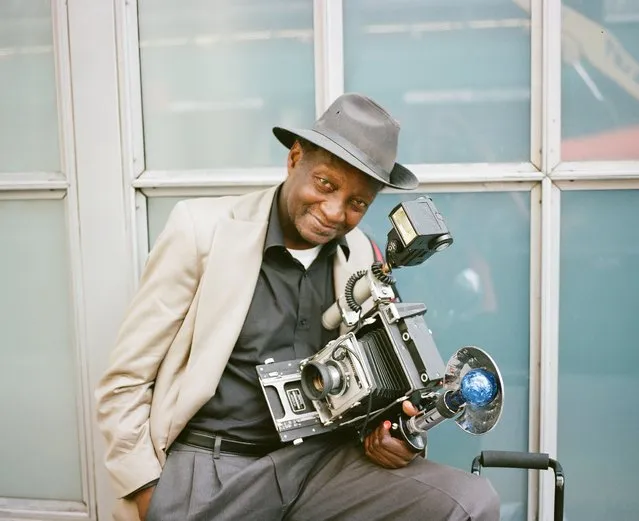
<point x="231" y="282"/>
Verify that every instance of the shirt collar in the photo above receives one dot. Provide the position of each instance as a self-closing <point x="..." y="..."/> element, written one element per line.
<point x="275" y="236"/>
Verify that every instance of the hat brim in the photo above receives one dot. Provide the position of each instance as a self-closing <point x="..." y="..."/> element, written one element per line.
<point x="400" y="176"/>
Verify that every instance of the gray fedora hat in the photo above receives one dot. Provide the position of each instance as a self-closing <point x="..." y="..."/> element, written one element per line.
<point x="359" y="131"/>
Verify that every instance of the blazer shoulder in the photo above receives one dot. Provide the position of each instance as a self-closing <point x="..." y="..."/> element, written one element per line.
<point x="252" y="206"/>
<point x="206" y="209"/>
<point x="201" y="215"/>
<point x="206" y="213"/>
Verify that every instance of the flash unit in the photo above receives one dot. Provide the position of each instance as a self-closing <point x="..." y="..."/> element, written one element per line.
<point x="418" y="231"/>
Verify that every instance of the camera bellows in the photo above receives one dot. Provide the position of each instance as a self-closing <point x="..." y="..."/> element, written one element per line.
<point x="389" y="380"/>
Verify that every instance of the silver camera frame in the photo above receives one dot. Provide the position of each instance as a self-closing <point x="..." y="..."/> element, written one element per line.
<point x="356" y="386"/>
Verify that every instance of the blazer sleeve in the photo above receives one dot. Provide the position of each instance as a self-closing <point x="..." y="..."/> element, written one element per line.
<point x="166" y="290"/>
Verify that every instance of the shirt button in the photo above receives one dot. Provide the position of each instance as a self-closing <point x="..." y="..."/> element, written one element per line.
<point x="303" y="322"/>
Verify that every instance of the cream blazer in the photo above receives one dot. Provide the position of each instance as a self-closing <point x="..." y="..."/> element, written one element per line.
<point x="181" y="326"/>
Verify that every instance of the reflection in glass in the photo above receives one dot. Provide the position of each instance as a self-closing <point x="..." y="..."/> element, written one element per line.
<point x="28" y="109"/>
<point x="600" y="80"/>
<point x="455" y="73"/>
<point x="598" y="353"/>
<point x="477" y="293"/>
<point x="218" y="75"/>
<point x="40" y="449"/>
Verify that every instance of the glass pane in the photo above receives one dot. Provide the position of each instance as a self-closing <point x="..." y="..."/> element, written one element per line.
<point x="28" y="110"/>
<point x="600" y="80"/>
<point x="598" y="355"/>
<point x="455" y="73"/>
<point x="40" y="449"/>
<point x="477" y="293"/>
<point x="216" y="77"/>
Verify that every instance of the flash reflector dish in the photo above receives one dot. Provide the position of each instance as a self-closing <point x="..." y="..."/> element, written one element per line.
<point x="475" y="419"/>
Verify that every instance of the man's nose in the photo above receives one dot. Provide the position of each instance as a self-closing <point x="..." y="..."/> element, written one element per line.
<point x="334" y="211"/>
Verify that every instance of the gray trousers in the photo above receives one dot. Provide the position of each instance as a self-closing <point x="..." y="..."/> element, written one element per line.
<point x="315" y="481"/>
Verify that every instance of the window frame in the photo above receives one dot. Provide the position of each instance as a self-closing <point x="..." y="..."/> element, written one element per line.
<point x="105" y="185"/>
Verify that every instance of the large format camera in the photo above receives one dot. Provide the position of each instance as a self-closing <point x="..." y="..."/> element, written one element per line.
<point x="387" y="356"/>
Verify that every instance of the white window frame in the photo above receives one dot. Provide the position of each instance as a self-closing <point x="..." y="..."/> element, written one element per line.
<point x="61" y="185"/>
<point x="105" y="185"/>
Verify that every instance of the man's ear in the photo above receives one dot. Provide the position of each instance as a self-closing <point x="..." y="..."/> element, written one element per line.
<point x="294" y="156"/>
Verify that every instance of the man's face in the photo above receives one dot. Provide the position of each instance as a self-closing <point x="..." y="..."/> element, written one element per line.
<point x="323" y="198"/>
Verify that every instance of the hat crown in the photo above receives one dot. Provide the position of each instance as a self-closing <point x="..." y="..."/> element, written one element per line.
<point x="364" y="125"/>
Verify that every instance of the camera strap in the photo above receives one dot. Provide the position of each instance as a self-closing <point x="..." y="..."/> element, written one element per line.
<point x="377" y="253"/>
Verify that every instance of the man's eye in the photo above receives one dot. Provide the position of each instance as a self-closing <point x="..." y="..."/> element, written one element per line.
<point x="325" y="183"/>
<point x="360" y="205"/>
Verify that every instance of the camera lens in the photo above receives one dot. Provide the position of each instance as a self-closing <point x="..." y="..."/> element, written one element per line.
<point x="320" y="380"/>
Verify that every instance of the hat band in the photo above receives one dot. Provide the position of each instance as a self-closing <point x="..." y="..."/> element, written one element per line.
<point x="355" y="152"/>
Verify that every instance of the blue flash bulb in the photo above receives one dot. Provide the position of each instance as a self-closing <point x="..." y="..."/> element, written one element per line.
<point x="479" y="387"/>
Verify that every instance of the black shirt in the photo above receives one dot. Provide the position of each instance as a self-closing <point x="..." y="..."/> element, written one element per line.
<point x="283" y="323"/>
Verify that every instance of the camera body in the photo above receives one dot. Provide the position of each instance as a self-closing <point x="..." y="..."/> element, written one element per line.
<point x="388" y="358"/>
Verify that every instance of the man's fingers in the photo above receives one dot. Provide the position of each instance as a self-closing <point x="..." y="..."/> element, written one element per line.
<point x="380" y="458"/>
<point x="383" y="457"/>
<point x="390" y="449"/>
<point x="382" y="434"/>
<point x="385" y="450"/>
<point x="409" y="408"/>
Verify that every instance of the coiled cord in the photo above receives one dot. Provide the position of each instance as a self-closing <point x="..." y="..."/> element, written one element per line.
<point x="348" y="290"/>
<point x="378" y="270"/>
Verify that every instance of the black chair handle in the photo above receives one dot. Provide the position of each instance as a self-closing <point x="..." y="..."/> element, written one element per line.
<point x="525" y="460"/>
<point x="515" y="460"/>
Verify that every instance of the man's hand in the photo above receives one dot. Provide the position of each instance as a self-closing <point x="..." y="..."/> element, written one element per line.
<point x="386" y="451"/>
<point x="142" y="500"/>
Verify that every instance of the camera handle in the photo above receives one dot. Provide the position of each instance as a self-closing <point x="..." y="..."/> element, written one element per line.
<point x="399" y="429"/>
<point x="411" y="429"/>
